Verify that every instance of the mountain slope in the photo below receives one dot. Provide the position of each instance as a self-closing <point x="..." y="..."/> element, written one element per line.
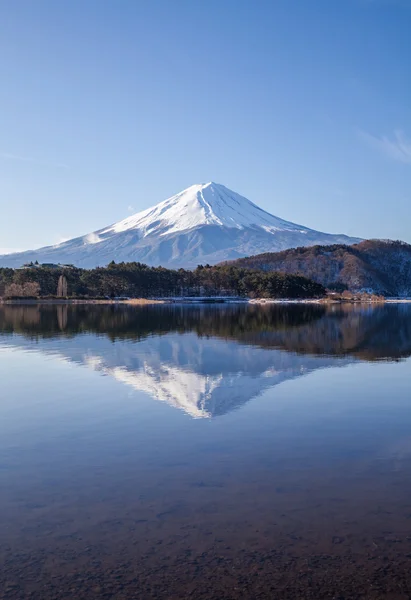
<point x="205" y="223"/>
<point x="383" y="267"/>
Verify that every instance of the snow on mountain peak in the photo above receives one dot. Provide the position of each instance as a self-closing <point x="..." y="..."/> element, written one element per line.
<point x="205" y="223"/>
<point x="201" y="204"/>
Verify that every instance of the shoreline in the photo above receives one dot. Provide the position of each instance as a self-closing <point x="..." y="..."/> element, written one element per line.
<point x="196" y="300"/>
<point x="74" y="301"/>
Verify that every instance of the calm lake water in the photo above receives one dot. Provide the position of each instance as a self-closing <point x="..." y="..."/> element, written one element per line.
<point x="205" y="452"/>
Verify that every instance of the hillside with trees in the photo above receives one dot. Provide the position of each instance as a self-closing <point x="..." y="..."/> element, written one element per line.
<point x="381" y="267"/>
<point x="137" y="280"/>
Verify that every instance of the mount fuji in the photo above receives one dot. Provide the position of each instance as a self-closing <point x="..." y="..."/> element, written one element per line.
<point x="206" y="223"/>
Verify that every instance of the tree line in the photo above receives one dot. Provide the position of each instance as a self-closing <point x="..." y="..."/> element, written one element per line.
<point x="137" y="280"/>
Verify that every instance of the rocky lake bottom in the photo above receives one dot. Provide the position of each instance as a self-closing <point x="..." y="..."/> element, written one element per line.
<point x="206" y="452"/>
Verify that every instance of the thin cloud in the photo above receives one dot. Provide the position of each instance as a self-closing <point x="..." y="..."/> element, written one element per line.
<point x="130" y="208"/>
<point x="34" y="161"/>
<point x="92" y="238"/>
<point x="397" y="147"/>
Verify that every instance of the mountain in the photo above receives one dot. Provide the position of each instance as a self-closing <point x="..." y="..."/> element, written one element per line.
<point x="205" y="223"/>
<point x="382" y="267"/>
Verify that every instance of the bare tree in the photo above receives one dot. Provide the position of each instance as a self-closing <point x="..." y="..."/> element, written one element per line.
<point x="13" y="290"/>
<point x="62" y="287"/>
<point x="30" y="289"/>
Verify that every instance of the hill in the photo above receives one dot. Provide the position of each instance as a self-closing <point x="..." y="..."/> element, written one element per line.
<point x="383" y="267"/>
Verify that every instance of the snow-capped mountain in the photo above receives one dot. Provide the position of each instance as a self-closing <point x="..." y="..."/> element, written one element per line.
<point x="205" y="223"/>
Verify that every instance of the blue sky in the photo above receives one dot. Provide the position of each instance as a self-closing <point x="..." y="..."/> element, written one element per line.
<point x="108" y="107"/>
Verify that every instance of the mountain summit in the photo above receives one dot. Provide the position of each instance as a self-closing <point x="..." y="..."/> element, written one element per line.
<point x="206" y="223"/>
<point x="203" y="204"/>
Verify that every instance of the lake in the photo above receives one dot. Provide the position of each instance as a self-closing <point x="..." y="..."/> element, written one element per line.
<point x="207" y="452"/>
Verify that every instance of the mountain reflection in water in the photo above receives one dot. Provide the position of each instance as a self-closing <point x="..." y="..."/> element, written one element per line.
<point x="209" y="360"/>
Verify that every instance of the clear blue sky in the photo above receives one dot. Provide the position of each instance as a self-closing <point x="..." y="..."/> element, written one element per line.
<point x="110" y="106"/>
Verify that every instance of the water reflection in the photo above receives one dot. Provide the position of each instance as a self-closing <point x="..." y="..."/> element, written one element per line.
<point x="209" y="360"/>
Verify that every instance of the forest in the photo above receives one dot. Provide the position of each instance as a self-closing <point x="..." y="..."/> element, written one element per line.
<point x="137" y="280"/>
<point x="381" y="267"/>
